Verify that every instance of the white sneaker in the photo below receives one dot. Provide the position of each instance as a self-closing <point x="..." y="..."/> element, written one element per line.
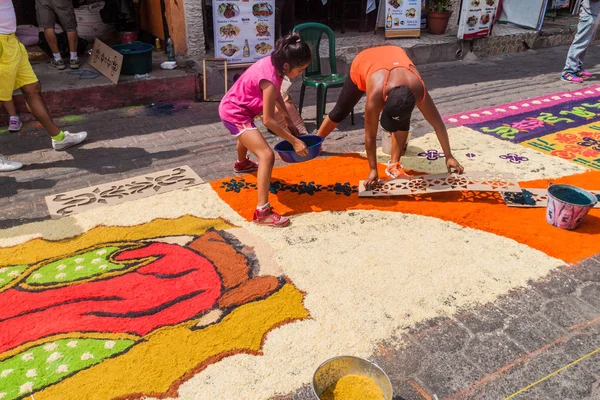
<point x="7" y="166"/>
<point x="71" y="139"/>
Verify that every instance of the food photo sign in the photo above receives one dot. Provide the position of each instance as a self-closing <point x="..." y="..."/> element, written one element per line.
<point x="244" y="30"/>
<point x="402" y="18"/>
<point x="476" y="18"/>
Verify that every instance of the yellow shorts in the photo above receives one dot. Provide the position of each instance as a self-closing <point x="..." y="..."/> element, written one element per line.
<point x="15" y="68"/>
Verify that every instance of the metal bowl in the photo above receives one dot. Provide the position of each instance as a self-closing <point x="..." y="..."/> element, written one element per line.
<point x="336" y="368"/>
<point x="286" y="150"/>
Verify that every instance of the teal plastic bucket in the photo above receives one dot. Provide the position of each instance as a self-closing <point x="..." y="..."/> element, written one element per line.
<point x="567" y="205"/>
<point x="137" y="57"/>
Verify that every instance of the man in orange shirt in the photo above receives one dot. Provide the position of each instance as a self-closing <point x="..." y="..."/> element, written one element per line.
<point x="393" y="85"/>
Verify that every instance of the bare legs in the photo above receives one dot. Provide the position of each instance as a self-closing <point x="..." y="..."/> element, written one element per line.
<point x="399" y="139"/>
<point x="53" y="43"/>
<point x="242" y="151"/>
<point x="33" y="97"/>
<point x="51" y="39"/>
<point x="72" y="38"/>
<point x="326" y="127"/>
<point x="10" y="108"/>
<point x="253" y="140"/>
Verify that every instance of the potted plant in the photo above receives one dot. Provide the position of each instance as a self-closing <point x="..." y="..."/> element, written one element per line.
<point x="438" y="16"/>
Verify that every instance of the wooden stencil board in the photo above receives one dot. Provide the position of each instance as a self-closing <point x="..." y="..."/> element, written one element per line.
<point x="420" y="184"/>
<point x="107" y="61"/>
<point x="111" y="193"/>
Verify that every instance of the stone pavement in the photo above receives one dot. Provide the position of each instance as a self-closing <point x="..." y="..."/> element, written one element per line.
<point x="488" y="353"/>
<point x="499" y="349"/>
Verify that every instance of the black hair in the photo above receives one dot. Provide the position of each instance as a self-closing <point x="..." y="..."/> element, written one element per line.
<point x="292" y="50"/>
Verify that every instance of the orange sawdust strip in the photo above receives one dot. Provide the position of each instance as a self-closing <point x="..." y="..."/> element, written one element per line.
<point x="174" y="354"/>
<point x="40" y="249"/>
<point x="483" y="211"/>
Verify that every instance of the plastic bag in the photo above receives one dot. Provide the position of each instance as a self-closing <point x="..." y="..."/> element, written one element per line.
<point x="291" y="109"/>
<point x="294" y="115"/>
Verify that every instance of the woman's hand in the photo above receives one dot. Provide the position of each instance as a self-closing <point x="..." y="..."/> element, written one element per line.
<point x="452" y="164"/>
<point x="300" y="147"/>
<point x="372" y="180"/>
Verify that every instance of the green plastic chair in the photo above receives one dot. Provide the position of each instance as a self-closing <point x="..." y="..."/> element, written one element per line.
<point x="311" y="33"/>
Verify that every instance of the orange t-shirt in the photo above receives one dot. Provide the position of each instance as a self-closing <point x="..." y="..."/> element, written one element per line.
<point x="369" y="61"/>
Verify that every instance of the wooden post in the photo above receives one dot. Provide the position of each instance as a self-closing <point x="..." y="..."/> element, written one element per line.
<point x="204" y="76"/>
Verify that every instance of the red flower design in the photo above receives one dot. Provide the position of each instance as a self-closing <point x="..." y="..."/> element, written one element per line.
<point x="566" y="137"/>
<point x="593" y="135"/>
<point x="178" y="285"/>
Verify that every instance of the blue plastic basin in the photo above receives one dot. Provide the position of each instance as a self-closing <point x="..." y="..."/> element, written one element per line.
<point x="137" y="57"/>
<point x="287" y="153"/>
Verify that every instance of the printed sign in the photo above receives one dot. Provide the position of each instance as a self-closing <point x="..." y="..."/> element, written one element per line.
<point x="403" y="18"/>
<point x="244" y="30"/>
<point x="476" y="18"/>
<point x="107" y="61"/>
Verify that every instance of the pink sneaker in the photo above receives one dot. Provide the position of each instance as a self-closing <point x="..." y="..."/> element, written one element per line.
<point x="245" y="166"/>
<point x="270" y="217"/>
<point x="584" y="74"/>
<point x="15" y="125"/>
<point x="569" y="77"/>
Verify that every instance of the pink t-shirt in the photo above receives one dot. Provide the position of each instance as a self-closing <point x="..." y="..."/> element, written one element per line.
<point x="244" y="101"/>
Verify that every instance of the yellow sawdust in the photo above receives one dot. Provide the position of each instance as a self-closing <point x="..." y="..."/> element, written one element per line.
<point x="38" y="249"/>
<point x="171" y="353"/>
<point x="354" y="387"/>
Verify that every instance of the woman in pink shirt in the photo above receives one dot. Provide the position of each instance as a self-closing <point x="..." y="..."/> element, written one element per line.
<point x="257" y="92"/>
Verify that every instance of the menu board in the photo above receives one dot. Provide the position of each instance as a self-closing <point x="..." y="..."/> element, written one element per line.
<point x="402" y="18"/>
<point x="244" y="30"/>
<point x="476" y="18"/>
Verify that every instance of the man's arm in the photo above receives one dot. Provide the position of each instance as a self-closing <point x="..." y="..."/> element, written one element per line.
<point x="432" y="115"/>
<point x="373" y="108"/>
<point x="372" y="111"/>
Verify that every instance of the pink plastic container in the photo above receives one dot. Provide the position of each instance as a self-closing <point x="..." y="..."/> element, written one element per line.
<point x="567" y="205"/>
<point x="128" y="37"/>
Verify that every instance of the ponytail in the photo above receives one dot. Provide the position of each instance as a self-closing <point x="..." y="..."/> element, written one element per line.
<point x="292" y="50"/>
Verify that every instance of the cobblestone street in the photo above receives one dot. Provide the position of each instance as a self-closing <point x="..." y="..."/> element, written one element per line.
<point x="491" y="352"/>
<point x="130" y="142"/>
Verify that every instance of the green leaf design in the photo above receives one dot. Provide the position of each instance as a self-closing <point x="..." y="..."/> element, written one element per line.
<point x="47" y="364"/>
<point x="8" y="274"/>
<point x="75" y="268"/>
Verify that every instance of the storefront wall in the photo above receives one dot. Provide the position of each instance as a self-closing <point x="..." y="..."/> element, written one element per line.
<point x="194" y="27"/>
<point x="187" y="27"/>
